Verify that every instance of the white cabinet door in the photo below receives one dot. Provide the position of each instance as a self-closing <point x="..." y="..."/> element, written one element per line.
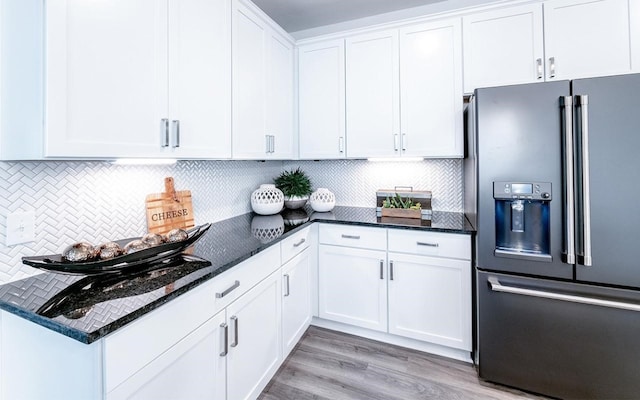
<point x="191" y="369"/>
<point x="372" y="90"/>
<point x="200" y="78"/>
<point x="249" y="40"/>
<point x="634" y="21"/>
<point x="296" y="300"/>
<point x="321" y="100"/>
<point x="353" y="286"/>
<point x="279" y="99"/>
<point x="503" y="47"/>
<point x="106" y="77"/>
<point x="430" y="299"/>
<point x="585" y="38"/>
<point x="263" y="79"/>
<point x="431" y="89"/>
<point x="254" y="339"/>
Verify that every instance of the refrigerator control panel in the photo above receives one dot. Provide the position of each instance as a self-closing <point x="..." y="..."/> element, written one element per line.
<point x="540" y="191"/>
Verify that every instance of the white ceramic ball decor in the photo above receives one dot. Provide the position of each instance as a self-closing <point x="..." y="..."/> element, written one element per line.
<point x="267" y="200"/>
<point x="322" y="200"/>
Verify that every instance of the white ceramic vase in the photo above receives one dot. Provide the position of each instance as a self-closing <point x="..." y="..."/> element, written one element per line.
<point x="322" y="200"/>
<point x="267" y="200"/>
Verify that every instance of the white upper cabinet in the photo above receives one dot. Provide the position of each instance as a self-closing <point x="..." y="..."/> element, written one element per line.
<point x="321" y="100"/>
<point x="404" y="92"/>
<point x="585" y="38"/>
<point x="200" y="77"/>
<point x="373" y="98"/>
<point x="140" y="78"/>
<point x="431" y="90"/>
<point x="578" y="39"/>
<point x="503" y="47"/>
<point x="263" y="89"/>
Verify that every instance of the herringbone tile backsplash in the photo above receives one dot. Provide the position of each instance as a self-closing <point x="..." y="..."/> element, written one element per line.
<point x="99" y="201"/>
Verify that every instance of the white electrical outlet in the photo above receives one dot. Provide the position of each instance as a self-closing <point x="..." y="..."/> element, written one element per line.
<point x="21" y="227"/>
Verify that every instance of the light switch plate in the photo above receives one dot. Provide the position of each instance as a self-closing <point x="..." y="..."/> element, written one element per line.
<point x="21" y="227"/>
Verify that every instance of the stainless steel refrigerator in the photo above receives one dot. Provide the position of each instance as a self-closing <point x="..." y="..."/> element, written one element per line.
<point x="552" y="183"/>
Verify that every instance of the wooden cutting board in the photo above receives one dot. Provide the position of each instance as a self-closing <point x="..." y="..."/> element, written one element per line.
<point x="169" y="210"/>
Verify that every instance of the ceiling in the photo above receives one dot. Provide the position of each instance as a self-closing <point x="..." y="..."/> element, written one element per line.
<point x="298" y="15"/>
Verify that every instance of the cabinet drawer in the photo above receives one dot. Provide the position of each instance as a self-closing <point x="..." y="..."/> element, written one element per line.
<point x="450" y="245"/>
<point x="294" y="245"/>
<point x="239" y="279"/>
<point x="354" y="236"/>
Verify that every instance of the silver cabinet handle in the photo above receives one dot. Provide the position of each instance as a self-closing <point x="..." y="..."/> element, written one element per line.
<point x="395" y="142"/>
<point x="351" y="236"/>
<point x="176" y="132"/>
<point x="234" y="319"/>
<point x="286" y="279"/>
<point x="225" y="338"/>
<point x="539" y="73"/>
<point x="403" y="142"/>
<point x="272" y="149"/>
<point x="495" y="285"/>
<point x="299" y="243"/>
<point x="427" y="244"/>
<point x="268" y="144"/>
<point x="391" y="270"/>
<point x="235" y="285"/>
<point x="583" y="103"/>
<point x="566" y="102"/>
<point x="381" y="269"/>
<point x="164" y="132"/>
<point x="341" y="144"/>
<point x="552" y="67"/>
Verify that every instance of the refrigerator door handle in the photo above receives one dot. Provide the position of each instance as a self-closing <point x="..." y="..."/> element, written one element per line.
<point x="582" y="102"/>
<point x="496" y="286"/>
<point x="569" y="253"/>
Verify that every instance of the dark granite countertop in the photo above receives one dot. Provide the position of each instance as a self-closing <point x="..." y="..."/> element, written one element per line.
<point x="87" y="308"/>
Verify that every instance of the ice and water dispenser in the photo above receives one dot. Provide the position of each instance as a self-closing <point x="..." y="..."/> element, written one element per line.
<point x="522" y="220"/>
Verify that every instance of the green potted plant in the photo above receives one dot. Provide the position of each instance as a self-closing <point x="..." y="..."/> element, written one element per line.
<point x="296" y="187"/>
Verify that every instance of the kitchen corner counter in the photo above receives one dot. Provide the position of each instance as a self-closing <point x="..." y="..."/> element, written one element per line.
<point x="87" y="308"/>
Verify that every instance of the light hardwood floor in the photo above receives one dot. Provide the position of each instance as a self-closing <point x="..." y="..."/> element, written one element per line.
<point x="334" y="366"/>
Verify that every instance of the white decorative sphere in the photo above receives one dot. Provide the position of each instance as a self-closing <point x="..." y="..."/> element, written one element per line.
<point x="267" y="200"/>
<point x="322" y="200"/>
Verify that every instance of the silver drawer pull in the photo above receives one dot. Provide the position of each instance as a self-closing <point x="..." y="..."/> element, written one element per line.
<point x="351" y="236"/>
<point x="287" y="292"/>
<point x="225" y="336"/>
<point x="427" y="244"/>
<point x="299" y="243"/>
<point x="234" y="319"/>
<point x="226" y="292"/>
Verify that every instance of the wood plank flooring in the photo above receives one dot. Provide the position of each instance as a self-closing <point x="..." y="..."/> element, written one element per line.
<point x="334" y="366"/>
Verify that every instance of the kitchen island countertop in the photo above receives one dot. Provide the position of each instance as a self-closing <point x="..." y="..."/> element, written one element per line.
<point x="87" y="308"/>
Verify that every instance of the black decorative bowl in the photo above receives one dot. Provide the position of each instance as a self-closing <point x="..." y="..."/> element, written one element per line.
<point x="126" y="262"/>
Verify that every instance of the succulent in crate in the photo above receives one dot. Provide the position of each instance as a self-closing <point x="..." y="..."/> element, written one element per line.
<point x="397" y="202"/>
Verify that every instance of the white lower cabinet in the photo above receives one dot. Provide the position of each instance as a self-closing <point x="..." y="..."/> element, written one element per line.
<point x="430" y="299"/>
<point x="416" y="285"/>
<point x="254" y="353"/>
<point x="296" y="300"/>
<point x="353" y="287"/>
<point x="191" y="369"/>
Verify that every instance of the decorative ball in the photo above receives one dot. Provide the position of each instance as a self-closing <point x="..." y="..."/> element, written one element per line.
<point x="322" y="200"/>
<point x="267" y="200"/>
<point x="176" y="235"/>
<point x="109" y="250"/>
<point x="79" y="252"/>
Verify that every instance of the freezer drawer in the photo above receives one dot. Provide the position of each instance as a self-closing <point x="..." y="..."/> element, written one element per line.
<point x="560" y="339"/>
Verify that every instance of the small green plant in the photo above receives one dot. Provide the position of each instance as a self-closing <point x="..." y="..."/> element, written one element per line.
<point x="397" y="202"/>
<point x="294" y="183"/>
